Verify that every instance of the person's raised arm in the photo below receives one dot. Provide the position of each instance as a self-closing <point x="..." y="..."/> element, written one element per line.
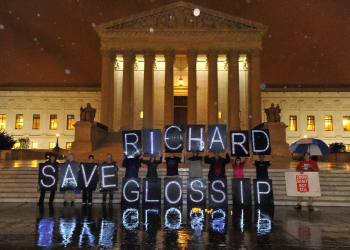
<point x="251" y="158"/>
<point x="228" y="159"/>
<point x="271" y="161"/>
<point x="163" y="156"/>
<point x="182" y="156"/>
<point x="206" y="157"/>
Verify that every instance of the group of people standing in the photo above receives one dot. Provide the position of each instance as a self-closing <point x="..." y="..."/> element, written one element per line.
<point x="195" y="162"/>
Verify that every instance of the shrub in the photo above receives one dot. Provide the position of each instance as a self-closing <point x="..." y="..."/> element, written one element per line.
<point x="24" y="143"/>
<point x="337" y="147"/>
<point x="6" y="140"/>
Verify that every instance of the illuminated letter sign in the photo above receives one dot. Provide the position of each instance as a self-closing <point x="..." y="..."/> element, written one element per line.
<point x="47" y="177"/>
<point x="217" y="138"/>
<point x="151" y="191"/>
<point x="261" y="141"/>
<point x="108" y="177"/>
<point x="263" y="194"/>
<point x="195" y="138"/>
<point x="132" y="144"/>
<point x="196" y="190"/>
<point x="87" y="177"/>
<point x="239" y="143"/>
<point x="131" y="191"/>
<point x="173" y="138"/>
<point x="218" y="192"/>
<point x="241" y="192"/>
<point x="173" y="192"/>
<point x="68" y="176"/>
<point x="152" y="142"/>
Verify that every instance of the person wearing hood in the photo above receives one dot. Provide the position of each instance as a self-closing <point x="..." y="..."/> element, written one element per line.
<point x="151" y="164"/>
<point x="52" y="162"/>
<point x="196" y="163"/>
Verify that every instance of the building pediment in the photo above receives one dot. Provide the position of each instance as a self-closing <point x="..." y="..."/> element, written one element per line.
<point x="180" y="16"/>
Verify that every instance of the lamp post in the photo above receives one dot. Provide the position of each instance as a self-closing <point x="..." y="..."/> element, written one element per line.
<point x="57" y="141"/>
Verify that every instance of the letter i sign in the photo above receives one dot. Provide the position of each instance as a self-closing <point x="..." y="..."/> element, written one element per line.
<point x="302" y="183"/>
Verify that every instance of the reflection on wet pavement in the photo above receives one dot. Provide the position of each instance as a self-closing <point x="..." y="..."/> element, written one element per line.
<point x="107" y="227"/>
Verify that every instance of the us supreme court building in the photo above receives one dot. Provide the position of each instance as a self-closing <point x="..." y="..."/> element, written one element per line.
<point x="178" y="64"/>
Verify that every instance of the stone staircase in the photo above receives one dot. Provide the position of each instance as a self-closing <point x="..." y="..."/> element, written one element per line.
<point x="20" y="185"/>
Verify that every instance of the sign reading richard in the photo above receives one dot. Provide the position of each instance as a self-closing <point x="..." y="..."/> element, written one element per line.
<point x="306" y="184"/>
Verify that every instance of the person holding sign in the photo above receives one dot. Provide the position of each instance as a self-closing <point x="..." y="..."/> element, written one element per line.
<point x="238" y="166"/>
<point x="261" y="166"/>
<point x="151" y="166"/>
<point x="172" y="163"/>
<point x="132" y="166"/>
<point x="306" y="165"/>
<point x="52" y="162"/>
<point x="70" y="158"/>
<point x="87" y="193"/>
<point x="217" y="165"/>
<point x="109" y="160"/>
<point x="196" y="163"/>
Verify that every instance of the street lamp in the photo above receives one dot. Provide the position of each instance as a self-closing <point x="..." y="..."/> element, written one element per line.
<point x="57" y="147"/>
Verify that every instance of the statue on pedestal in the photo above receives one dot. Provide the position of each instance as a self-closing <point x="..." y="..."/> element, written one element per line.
<point x="273" y="113"/>
<point x="88" y="113"/>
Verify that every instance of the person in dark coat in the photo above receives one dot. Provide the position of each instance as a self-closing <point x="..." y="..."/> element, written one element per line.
<point x="132" y="166"/>
<point x="217" y="165"/>
<point x="52" y="162"/>
<point x="152" y="164"/>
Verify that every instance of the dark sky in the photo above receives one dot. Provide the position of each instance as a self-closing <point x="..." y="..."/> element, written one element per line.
<point x="53" y="41"/>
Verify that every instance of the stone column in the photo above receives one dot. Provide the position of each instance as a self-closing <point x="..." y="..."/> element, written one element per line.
<point x="256" y="90"/>
<point x="192" y="87"/>
<point x="169" y="87"/>
<point x="212" y="58"/>
<point x="233" y="90"/>
<point x="148" y="89"/>
<point x="107" y="88"/>
<point x="128" y="91"/>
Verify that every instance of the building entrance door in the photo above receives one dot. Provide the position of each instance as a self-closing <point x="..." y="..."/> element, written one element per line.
<point x="180" y="110"/>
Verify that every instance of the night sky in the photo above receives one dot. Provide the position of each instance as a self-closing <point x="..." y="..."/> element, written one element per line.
<point x="54" y="41"/>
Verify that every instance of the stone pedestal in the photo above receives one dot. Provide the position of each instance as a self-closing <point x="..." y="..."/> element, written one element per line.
<point x="279" y="146"/>
<point x="87" y="136"/>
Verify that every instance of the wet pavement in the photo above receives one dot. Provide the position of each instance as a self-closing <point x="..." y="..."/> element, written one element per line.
<point x="26" y="226"/>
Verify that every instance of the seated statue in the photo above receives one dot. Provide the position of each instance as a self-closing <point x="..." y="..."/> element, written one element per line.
<point x="273" y="113"/>
<point x="88" y="113"/>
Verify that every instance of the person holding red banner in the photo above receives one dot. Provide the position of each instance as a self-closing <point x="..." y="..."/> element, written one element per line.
<point x="238" y="166"/>
<point x="217" y="165"/>
<point x="196" y="163"/>
<point x="306" y="165"/>
<point x="52" y="162"/>
<point x="172" y="163"/>
<point x="151" y="164"/>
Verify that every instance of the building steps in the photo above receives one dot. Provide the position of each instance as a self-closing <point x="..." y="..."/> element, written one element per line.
<point x="20" y="185"/>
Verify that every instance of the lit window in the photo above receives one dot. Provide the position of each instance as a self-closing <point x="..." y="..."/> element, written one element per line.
<point x="19" y="122"/>
<point x="68" y="145"/>
<point x="311" y="123"/>
<point x="70" y="121"/>
<point x="2" y="121"/>
<point x="141" y="114"/>
<point x="53" y="121"/>
<point x="346" y="123"/>
<point x="219" y="115"/>
<point x="34" y="145"/>
<point x="52" y="144"/>
<point x="292" y="123"/>
<point x="17" y="145"/>
<point x="36" y="121"/>
<point x="347" y="147"/>
<point x="328" y="122"/>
